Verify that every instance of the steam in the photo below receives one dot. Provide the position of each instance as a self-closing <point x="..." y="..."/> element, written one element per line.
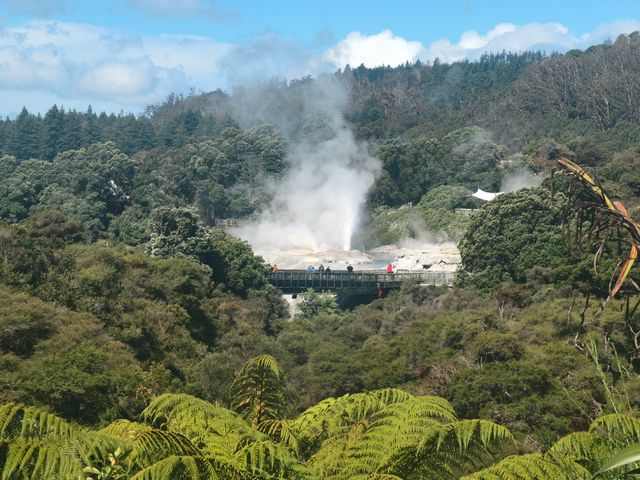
<point x="520" y="178"/>
<point x="317" y="205"/>
<point x="420" y="235"/>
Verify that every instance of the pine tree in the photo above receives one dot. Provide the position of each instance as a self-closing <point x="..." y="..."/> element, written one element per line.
<point x="25" y="140"/>
<point x="52" y="132"/>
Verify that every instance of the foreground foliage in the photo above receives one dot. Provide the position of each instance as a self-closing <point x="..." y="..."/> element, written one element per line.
<point x="385" y="433"/>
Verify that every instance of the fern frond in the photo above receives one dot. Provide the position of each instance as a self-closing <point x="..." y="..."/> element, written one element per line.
<point x="20" y="420"/>
<point x="335" y="416"/>
<point x="586" y="448"/>
<point x="177" y="467"/>
<point x="258" y="391"/>
<point x="446" y="448"/>
<point x="350" y="408"/>
<point x="177" y="406"/>
<point x="263" y="363"/>
<point x="388" y="440"/>
<point x="618" y="427"/>
<point x="463" y="435"/>
<point x="280" y="431"/>
<point x="44" y="442"/>
<point x="268" y="458"/>
<point x="530" y="467"/>
<point x="214" y="428"/>
<point x="153" y="445"/>
<point x="126" y="429"/>
<point x="32" y="458"/>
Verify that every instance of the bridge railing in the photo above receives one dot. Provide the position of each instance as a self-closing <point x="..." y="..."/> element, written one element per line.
<point x="370" y="280"/>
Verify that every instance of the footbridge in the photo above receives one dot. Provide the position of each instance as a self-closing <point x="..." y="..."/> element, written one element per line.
<point x="297" y="281"/>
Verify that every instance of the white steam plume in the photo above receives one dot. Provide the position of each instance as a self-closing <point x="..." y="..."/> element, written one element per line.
<point x="519" y="178"/>
<point x="316" y="205"/>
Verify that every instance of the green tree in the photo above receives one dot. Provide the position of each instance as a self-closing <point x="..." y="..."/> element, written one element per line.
<point x="24" y="141"/>
<point x="314" y="304"/>
<point x="234" y="264"/>
<point x="176" y="231"/>
<point x="53" y="125"/>
<point x="512" y="234"/>
<point x="258" y="391"/>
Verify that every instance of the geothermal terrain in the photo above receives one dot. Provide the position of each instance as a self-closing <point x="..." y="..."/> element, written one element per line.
<point x="437" y="257"/>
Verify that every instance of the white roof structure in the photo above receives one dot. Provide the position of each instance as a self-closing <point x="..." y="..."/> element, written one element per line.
<point x="486" y="196"/>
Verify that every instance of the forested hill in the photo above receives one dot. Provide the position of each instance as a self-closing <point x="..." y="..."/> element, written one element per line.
<point x="516" y="97"/>
<point x="114" y="288"/>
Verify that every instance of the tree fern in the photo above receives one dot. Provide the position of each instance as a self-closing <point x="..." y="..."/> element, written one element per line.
<point x="19" y="420"/>
<point x="37" y="444"/>
<point x="126" y="429"/>
<point x="585" y="448"/>
<point x="332" y="417"/>
<point x="212" y="427"/>
<point x="444" y="450"/>
<point x="617" y="427"/>
<point x="273" y="458"/>
<point x="258" y="391"/>
<point x="626" y="456"/>
<point x="224" y="435"/>
<point x="530" y="467"/>
<point x="386" y="434"/>
<point x="416" y="434"/>
<point x="598" y="448"/>
<point x="31" y="458"/>
<point x="282" y="432"/>
<point x="177" y="467"/>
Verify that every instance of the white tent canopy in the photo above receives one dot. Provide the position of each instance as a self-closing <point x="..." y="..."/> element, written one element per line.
<point x="486" y="196"/>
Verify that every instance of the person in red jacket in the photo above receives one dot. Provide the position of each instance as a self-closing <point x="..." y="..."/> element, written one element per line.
<point x="389" y="268"/>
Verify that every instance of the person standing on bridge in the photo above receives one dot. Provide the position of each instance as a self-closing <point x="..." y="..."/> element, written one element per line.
<point x="321" y="268"/>
<point x="327" y="270"/>
<point x="349" y="268"/>
<point x="389" y="268"/>
<point x="311" y="269"/>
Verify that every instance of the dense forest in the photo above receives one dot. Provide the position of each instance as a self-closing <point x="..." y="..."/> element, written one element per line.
<point x="138" y="341"/>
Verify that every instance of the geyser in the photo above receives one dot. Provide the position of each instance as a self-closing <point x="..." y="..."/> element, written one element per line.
<point x="316" y="205"/>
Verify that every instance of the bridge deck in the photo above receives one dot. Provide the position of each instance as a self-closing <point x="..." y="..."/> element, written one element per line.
<point x="294" y="281"/>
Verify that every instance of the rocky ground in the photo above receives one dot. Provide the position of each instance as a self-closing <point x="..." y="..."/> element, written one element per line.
<point x="408" y="257"/>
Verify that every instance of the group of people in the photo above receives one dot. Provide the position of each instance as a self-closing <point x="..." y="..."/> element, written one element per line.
<point x="321" y="269"/>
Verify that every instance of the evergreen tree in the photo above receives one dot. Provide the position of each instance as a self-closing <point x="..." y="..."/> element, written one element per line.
<point x="91" y="127"/>
<point x="25" y="140"/>
<point x="72" y="137"/>
<point x="52" y="132"/>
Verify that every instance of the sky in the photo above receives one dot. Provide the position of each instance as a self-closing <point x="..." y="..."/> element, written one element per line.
<point x="122" y="55"/>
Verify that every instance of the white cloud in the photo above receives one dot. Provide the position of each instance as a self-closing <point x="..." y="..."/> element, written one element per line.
<point x="118" y="79"/>
<point x="91" y="63"/>
<point x="608" y="31"/>
<point x="383" y="48"/>
<point x="503" y="37"/>
<point x="549" y="37"/>
<point x="78" y="64"/>
<point x="266" y="57"/>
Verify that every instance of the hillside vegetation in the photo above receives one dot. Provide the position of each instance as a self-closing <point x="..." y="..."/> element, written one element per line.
<point x="139" y="342"/>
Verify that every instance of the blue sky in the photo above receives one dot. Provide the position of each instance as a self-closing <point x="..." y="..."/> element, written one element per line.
<point x="125" y="54"/>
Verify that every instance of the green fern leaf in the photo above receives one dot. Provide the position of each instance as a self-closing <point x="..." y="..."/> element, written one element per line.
<point x="530" y="467"/>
